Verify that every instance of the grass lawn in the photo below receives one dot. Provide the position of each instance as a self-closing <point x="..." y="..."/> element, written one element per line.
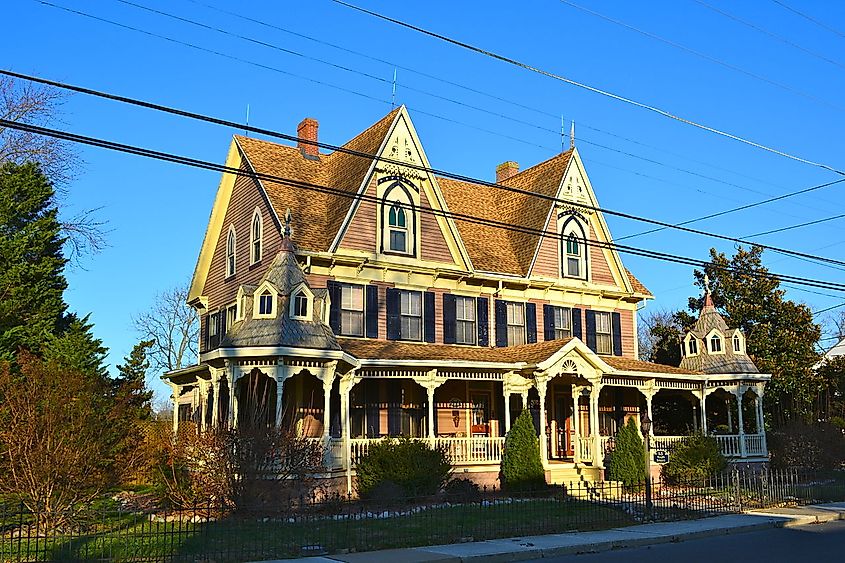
<point x="136" y="538"/>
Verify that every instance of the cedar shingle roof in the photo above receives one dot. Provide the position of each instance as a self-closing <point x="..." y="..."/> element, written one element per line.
<point x="636" y="284"/>
<point x="630" y="364"/>
<point x="393" y="350"/>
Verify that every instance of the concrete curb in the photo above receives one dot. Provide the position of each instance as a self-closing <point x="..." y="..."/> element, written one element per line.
<point x="556" y="545"/>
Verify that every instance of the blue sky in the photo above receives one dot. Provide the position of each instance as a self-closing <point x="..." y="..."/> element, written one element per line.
<point x="655" y="167"/>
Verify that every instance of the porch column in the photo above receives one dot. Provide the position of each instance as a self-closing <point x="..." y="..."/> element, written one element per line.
<point x="739" y="393"/>
<point x="430" y="391"/>
<point x="175" y="391"/>
<point x="507" y="412"/>
<point x="576" y="424"/>
<point x="346" y="384"/>
<point x="702" y="402"/>
<point x="761" y="420"/>
<point x="730" y="416"/>
<point x="230" y="377"/>
<point x="215" y="406"/>
<point x="525" y="399"/>
<point x="544" y="443"/>
<point x="598" y="455"/>
<point x="649" y="396"/>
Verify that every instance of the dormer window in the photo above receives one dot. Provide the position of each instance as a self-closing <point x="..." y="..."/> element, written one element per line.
<point x="737" y="343"/>
<point x="398" y="227"/>
<point x="256" y="232"/>
<point x="230" y="252"/>
<point x="265" y="303"/>
<point x="573" y="249"/>
<point x="300" y="305"/>
<point x="715" y="344"/>
<point x="693" y="347"/>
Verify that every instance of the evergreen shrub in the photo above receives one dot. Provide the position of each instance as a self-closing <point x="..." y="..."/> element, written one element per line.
<point x="627" y="460"/>
<point x="412" y="465"/>
<point x="522" y="468"/>
<point x="696" y="458"/>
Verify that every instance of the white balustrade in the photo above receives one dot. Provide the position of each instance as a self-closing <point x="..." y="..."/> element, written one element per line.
<point x="585" y="447"/>
<point x="729" y="444"/>
<point x="667" y="443"/>
<point x="462" y="451"/>
<point x="755" y="444"/>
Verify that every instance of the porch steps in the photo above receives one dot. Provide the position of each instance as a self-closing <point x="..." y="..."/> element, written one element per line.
<point x="572" y="473"/>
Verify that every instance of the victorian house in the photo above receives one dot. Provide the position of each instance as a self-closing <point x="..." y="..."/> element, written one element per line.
<point x="355" y="295"/>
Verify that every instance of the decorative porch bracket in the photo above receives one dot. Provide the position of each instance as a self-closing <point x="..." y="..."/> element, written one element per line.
<point x="430" y="382"/>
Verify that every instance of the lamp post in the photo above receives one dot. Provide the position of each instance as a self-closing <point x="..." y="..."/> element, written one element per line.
<point x="645" y="427"/>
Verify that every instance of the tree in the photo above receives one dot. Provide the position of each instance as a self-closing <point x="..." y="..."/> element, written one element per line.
<point x="780" y="334"/>
<point x="626" y="463"/>
<point x="522" y="468"/>
<point x="132" y="415"/>
<point x="53" y="452"/>
<point x="660" y="336"/>
<point x="173" y="327"/>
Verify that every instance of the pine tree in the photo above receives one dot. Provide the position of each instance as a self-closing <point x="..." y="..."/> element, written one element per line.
<point x="132" y="379"/>
<point x="627" y="460"/>
<point x="521" y="467"/>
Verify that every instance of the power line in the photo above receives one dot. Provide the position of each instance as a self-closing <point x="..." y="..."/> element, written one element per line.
<point x="828" y="309"/>
<point x="595" y="90"/>
<point x="789" y="228"/>
<point x="369" y="156"/>
<point x="197" y="163"/>
<point x="769" y="33"/>
<point x="421" y="91"/>
<point x="819" y="23"/>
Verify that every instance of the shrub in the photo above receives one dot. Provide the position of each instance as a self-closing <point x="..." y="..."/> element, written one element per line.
<point x="810" y="446"/>
<point x="627" y="460"/>
<point x="411" y="464"/>
<point x="521" y="466"/>
<point x="461" y="490"/>
<point x="696" y="458"/>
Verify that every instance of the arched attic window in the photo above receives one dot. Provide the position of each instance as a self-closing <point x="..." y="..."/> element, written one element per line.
<point x="265" y="303"/>
<point x="398" y="226"/>
<point x="737" y="343"/>
<point x="692" y="347"/>
<point x="715" y="343"/>
<point x="573" y="250"/>
<point x="398" y="221"/>
<point x="230" y="252"/>
<point x="301" y="303"/>
<point x="256" y="237"/>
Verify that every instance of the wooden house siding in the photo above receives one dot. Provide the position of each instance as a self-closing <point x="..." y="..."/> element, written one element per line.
<point x="626" y="322"/>
<point x="600" y="269"/>
<point x="246" y="195"/>
<point x="540" y="318"/>
<point x="433" y="246"/>
<point x="361" y="231"/>
<point x="548" y="257"/>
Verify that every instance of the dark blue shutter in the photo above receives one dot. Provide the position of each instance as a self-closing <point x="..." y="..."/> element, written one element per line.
<point x="392" y="314"/>
<point x="531" y="323"/>
<point x="482" y="318"/>
<point x="501" y="323"/>
<point x="207" y="339"/>
<point x="576" y="323"/>
<point x="590" y="321"/>
<point x="428" y="316"/>
<point x="449" y="314"/>
<point x="372" y="311"/>
<point x="616" y="321"/>
<point x="334" y="311"/>
<point x="548" y="322"/>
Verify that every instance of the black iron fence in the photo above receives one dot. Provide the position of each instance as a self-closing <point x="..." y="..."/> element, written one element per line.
<point x="337" y="524"/>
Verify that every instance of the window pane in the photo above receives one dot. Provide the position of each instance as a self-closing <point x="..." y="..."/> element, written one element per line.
<point x="604" y="344"/>
<point x="573" y="267"/>
<point x="352" y="323"/>
<point x="265" y="304"/>
<point x="465" y="332"/>
<point x="465" y="308"/>
<point x="301" y="305"/>
<point x="516" y="335"/>
<point x="352" y="297"/>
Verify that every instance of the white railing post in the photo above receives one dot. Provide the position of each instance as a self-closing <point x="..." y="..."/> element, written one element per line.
<point x="544" y="445"/>
<point x="576" y="422"/>
<point x="598" y="455"/>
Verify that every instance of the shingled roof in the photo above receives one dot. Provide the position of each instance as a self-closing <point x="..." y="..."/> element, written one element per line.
<point x="417" y="351"/>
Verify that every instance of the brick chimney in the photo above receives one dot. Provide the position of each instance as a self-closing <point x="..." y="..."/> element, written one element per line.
<point x="506" y="170"/>
<point x="307" y="130"/>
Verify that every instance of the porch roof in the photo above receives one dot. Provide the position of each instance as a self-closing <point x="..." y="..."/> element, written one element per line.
<point x="630" y="364"/>
<point x="526" y="354"/>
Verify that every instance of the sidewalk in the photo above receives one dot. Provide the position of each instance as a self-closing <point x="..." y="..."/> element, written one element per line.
<point x="536" y="547"/>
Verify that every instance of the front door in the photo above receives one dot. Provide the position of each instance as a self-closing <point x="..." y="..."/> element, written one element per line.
<point x="564" y="432"/>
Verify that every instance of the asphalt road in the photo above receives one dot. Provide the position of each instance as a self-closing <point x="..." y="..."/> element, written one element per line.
<point x="817" y="543"/>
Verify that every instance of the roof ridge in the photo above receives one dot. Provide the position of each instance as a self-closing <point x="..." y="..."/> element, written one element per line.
<point x="536" y="167"/>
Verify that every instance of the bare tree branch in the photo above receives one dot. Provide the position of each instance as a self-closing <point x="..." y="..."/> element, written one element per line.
<point x="173" y="327"/>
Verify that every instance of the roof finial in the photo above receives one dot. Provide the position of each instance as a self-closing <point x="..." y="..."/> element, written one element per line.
<point x="708" y="300"/>
<point x="288" y="219"/>
<point x="572" y="135"/>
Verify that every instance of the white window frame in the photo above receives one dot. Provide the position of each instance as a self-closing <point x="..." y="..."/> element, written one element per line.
<point x="515" y="323"/>
<point x="709" y="342"/>
<point x="256" y="239"/>
<point x="574" y="228"/>
<point x="689" y="341"/>
<point x="466" y="327"/>
<point x="400" y="212"/>
<point x="564" y="315"/>
<point x="231" y="316"/>
<point x="604" y="345"/>
<point x="411" y="315"/>
<point x="347" y="308"/>
<point x="231" y="252"/>
<point x="301" y="289"/>
<point x="265" y="287"/>
<point x="213" y="324"/>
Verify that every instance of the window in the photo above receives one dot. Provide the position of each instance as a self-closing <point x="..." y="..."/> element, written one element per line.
<point x="604" y="333"/>
<point x="256" y="235"/>
<point x="213" y="321"/>
<point x="352" y="310"/>
<point x="737" y="344"/>
<point x="300" y="305"/>
<point x="465" y="320"/>
<point x="230" y="253"/>
<point x="410" y="315"/>
<point x="265" y="303"/>
<point x="563" y="322"/>
<point x="516" y="323"/>
<point x="715" y="343"/>
<point x="693" y="347"/>
<point x="231" y="316"/>
<point x="573" y="256"/>
<point x="398" y="227"/>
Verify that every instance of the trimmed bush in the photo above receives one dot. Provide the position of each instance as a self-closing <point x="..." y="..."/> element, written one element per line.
<point x="818" y="446"/>
<point x="627" y="460"/>
<point x="411" y="465"/>
<point x="461" y="490"/>
<point x="694" y="459"/>
<point x="521" y="466"/>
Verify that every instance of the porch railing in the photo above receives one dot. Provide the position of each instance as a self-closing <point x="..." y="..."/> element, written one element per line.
<point x="755" y="444"/>
<point x="585" y="448"/>
<point x="729" y="444"/>
<point x="477" y="449"/>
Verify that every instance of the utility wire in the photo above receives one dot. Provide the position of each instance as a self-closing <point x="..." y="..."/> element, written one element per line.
<point x="595" y="90"/>
<point x="369" y="156"/>
<point x="828" y="309"/>
<point x="819" y="23"/>
<point x="701" y="55"/>
<point x="197" y="163"/>
<point x="769" y="33"/>
<point x="789" y="228"/>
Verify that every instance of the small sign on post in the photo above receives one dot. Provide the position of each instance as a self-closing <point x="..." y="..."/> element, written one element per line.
<point x="661" y="456"/>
